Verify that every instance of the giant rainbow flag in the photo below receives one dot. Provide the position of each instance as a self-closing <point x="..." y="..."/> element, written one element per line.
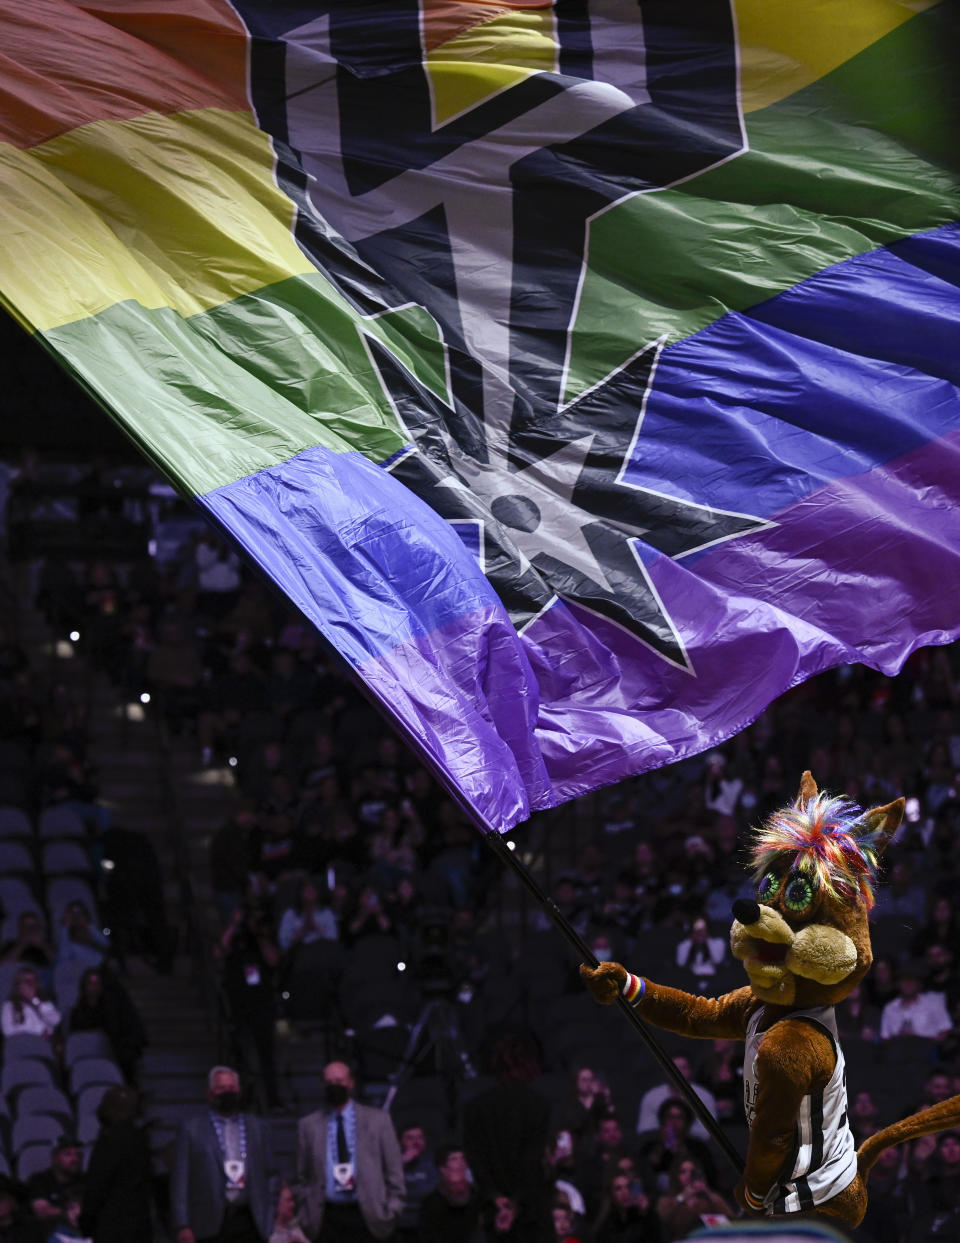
<point x="586" y="372"/>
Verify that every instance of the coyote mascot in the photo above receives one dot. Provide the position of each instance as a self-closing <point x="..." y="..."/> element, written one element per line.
<point x="805" y="945"/>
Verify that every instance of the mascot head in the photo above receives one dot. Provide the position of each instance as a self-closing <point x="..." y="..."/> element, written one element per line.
<point x="805" y="941"/>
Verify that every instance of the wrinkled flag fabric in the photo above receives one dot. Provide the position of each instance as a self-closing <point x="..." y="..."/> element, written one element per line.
<point x="586" y="372"/>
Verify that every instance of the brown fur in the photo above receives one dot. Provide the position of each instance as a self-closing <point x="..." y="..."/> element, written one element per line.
<point x="795" y="1057"/>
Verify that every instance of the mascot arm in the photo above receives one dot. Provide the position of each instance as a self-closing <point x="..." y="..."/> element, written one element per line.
<point x="710" y="1018"/>
<point x="794" y="1059"/>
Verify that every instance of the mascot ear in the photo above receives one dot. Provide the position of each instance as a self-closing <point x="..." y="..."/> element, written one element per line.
<point x="885" y="821"/>
<point x="808" y="790"/>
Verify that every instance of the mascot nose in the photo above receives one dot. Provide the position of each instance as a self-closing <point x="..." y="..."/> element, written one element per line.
<point x="746" y="911"/>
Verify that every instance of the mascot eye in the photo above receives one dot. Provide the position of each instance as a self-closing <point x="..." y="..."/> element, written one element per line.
<point x="798" y="894"/>
<point x="769" y="887"/>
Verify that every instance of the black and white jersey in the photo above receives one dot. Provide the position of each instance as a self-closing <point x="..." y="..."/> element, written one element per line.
<point x="824" y="1157"/>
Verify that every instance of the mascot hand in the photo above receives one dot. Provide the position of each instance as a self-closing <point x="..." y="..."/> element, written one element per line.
<point x="604" y="982"/>
<point x="739" y="1194"/>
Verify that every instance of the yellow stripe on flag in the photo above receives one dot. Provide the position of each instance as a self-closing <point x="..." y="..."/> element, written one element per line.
<point x="488" y="58"/>
<point x="786" y="45"/>
<point x="173" y="210"/>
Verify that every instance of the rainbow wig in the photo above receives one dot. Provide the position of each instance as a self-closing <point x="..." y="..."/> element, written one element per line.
<point x="828" y="839"/>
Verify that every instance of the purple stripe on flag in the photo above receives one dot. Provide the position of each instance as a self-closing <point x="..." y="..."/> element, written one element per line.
<point x="375" y="569"/>
<point x="832" y="583"/>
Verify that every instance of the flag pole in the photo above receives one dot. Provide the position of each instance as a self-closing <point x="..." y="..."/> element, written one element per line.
<point x="684" y="1089"/>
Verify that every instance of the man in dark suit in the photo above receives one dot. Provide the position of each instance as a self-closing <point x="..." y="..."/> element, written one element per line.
<point x="223" y="1186"/>
<point x="349" y="1162"/>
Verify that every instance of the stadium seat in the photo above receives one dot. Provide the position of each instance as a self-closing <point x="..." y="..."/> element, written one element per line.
<point x="18" y="1075"/>
<point x="60" y="822"/>
<point x="42" y="1100"/>
<point x="33" y="1159"/>
<point x="34" y="1129"/>
<point x="27" y="1046"/>
<point x="81" y="1045"/>
<point x="14" y="822"/>
<point x="66" y="984"/>
<point x="93" y="1070"/>
<point x="65" y="857"/>
<point x="62" y="890"/>
<point x="15" y="856"/>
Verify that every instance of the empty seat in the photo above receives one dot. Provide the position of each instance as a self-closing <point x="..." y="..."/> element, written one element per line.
<point x="15" y="856"/>
<point x="80" y="1045"/>
<point x="88" y="1127"/>
<point x="18" y="1075"/>
<point x="44" y="1100"/>
<point x="61" y="857"/>
<point x="16" y="896"/>
<point x="33" y="1159"/>
<point x="14" y="822"/>
<point x="93" y="1070"/>
<point x="27" y="1046"/>
<point x="35" y="1129"/>
<point x="60" y="822"/>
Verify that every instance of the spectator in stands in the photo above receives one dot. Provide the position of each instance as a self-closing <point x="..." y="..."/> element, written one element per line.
<point x="864" y="1116"/>
<point x="562" y="1171"/>
<point x="419" y="1179"/>
<point x="901" y="895"/>
<point x="589" y="1104"/>
<point x="103" y="1004"/>
<point x="223" y="1185"/>
<point x="700" y="953"/>
<point x="940" y="927"/>
<point x="625" y="1214"/>
<point x="117" y="1187"/>
<point x="250" y="958"/>
<point x="31" y="944"/>
<point x="369" y="916"/>
<point x="857" y="1017"/>
<point x="881" y="982"/>
<point x="16" y="1226"/>
<point x="939" y="1209"/>
<point x="673" y="1142"/>
<point x="500" y="1221"/>
<point x="505" y="1131"/>
<point x="603" y="1162"/>
<point x="563" y="1224"/>
<point x="26" y="1011"/>
<point x="892" y="1205"/>
<point x="349" y="1163"/>
<point x="78" y="940"/>
<point x="688" y="1200"/>
<point x="913" y="1012"/>
<point x="648" y="1119"/>
<point x="306" y="921"/>
<point x="286" y="1228"/>
<point x="450" y="1213"/>
<point x="941" y="976"/>
<point x="50" y="1191"/>
<point x="68" y="1230"/>
<point x="721" y="1074"/>
<point x="229" y="858"/>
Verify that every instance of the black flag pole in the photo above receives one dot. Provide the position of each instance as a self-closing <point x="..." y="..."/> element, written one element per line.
<point x="509" y="857"/>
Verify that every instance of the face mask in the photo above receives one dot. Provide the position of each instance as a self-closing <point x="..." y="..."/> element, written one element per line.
<point x="226" y="1102"/>
<point x="335" y="1095"/>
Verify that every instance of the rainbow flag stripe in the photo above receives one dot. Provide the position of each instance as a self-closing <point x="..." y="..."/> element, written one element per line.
<point x="588" y="374"/>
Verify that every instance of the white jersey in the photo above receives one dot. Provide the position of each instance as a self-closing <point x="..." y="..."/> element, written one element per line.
<point x="824" y="1157"/>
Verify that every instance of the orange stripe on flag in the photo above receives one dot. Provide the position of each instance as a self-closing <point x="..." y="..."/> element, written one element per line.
<point x="62" y="65"/>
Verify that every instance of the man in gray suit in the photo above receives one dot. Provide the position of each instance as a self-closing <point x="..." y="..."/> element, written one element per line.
<point x="349" y="1164"/>
<point x="223" y="1185"/>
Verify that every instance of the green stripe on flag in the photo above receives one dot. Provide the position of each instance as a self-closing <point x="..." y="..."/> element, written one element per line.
<point x="249" y="384"/>
<point x="812" y="191"/>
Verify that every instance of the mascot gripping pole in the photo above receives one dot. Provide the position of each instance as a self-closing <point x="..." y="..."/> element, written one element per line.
<point x="805" y="945"/>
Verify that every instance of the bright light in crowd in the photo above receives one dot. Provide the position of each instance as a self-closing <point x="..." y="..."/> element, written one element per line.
<point x="145" y="697"/>
<point x="107" y="864"/>
<point x="401" y="966"/>
<point x="511" y="845"/>
<point x="232" y="761"/>
<point x="74" y="636"/>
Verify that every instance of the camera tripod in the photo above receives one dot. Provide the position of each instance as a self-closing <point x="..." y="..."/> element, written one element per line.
<point x="437" y="1030"/>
